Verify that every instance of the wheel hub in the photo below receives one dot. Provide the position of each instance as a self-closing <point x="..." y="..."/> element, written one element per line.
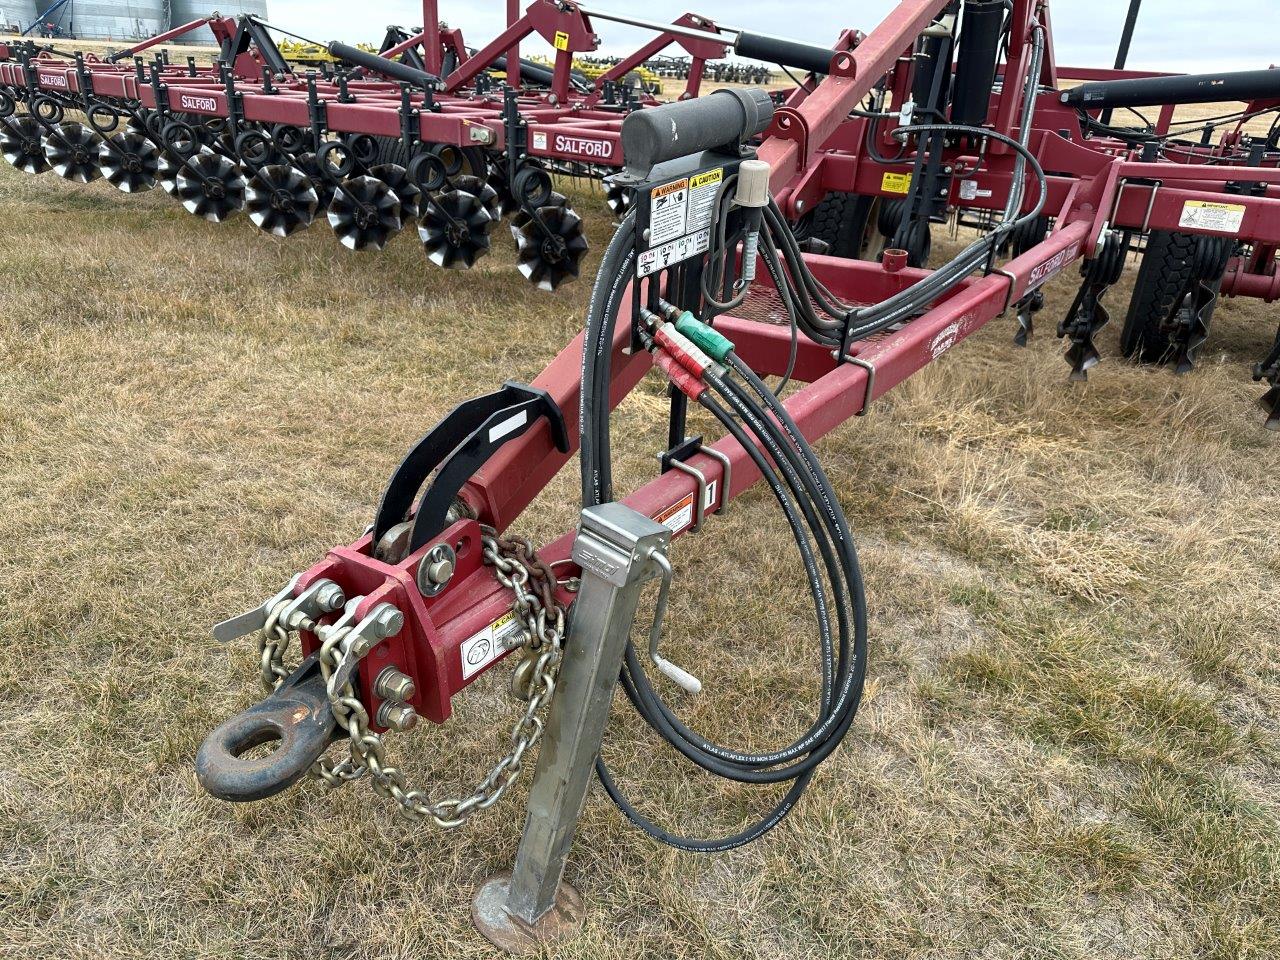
<point x="553" y="249"/>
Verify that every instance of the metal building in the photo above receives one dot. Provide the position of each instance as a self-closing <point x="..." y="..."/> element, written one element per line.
<point x="184" y="11"/>
<point x="117" y="19"/>
<point x="18" y="13"/>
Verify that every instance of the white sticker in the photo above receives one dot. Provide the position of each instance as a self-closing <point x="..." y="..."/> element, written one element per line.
<point x="661" y="257"/>
<point x="668" y="210"/>
<point x="703" y="191"/>
<point x="506" y="426"/>
<point x="969" y="190"/>
<point x="676" y="518"/>
<point x="489" y="644"/>
<point x="539" y="141"/>
<point x="1202" y="215"/>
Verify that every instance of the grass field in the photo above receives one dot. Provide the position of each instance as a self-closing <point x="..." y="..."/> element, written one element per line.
<point x="1069" y="745"/>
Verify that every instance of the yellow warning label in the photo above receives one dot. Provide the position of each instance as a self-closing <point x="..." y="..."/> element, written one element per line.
<point x="703" y="179"/>
<point x="896" y="183"/>
<point x="1206" y="215"/>
<point x="562" y="40"/>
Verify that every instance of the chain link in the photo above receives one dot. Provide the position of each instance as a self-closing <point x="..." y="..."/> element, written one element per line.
<point x="518" y="568"/>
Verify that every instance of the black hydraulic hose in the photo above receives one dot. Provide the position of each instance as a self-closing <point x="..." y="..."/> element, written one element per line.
<point x="806" y="489"/>
<point x="903" y="305"/>
<point x="597" y="355"/>
<point x="790" y="468"/>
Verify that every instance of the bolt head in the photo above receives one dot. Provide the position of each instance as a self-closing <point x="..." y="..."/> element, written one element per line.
<point x="394" y="685"/>
<point x="388" y="619"/>
<point x="397" y="716"/>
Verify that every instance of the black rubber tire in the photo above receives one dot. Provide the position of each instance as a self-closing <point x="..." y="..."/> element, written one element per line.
<point x="1025" y="237"/>
<point x="840" y="221"/>
<point x="1162" y="276"/>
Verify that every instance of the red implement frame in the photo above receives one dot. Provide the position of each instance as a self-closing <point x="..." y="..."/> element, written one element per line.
<point x="1095" y="187"/>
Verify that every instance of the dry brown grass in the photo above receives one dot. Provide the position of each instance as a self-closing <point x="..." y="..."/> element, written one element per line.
<point x="1068" y="747"/>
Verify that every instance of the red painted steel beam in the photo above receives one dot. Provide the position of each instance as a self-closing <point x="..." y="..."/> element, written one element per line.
<point x="826" y="108"/>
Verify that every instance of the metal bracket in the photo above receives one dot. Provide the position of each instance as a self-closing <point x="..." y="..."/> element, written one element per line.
<point x="1008" y="294"/>
<point x="617" y="549"/>
<point x="459" y="445"/>
<point x="678" y="462"/>
<point x="868" y="366"/>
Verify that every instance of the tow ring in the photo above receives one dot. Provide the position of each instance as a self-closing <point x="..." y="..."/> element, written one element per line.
<point x="296" y="717"/>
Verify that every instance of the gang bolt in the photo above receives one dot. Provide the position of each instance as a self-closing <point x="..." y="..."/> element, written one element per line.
<point x="330" y="597"/>
<point x="394" y="685"/>
<point x="388" y="620"/>
<point x="396" y="716"/>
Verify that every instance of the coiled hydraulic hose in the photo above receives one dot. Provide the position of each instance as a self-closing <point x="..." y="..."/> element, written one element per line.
<point x="762" y="425"/>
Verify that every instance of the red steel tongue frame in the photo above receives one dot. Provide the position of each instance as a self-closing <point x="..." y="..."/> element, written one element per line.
<point x="1099" y="190"/>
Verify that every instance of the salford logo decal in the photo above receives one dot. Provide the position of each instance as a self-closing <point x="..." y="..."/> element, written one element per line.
<point x="1051" y="266"/>
<point x="581" y="147"/>
<point x="945" y="340"/>
<point x="207" y="104"/>
<point x="54" y="80"/>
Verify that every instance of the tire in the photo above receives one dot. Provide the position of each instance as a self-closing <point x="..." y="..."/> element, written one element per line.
<point x="1162" y="277"/>
<point x="840" y="221"/>
<point x="1026" y="237"/>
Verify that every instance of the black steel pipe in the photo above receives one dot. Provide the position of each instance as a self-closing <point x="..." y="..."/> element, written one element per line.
<point x="376" y="64"/>
<point x="1192" y="88"/>
<point x="787" y="53"/>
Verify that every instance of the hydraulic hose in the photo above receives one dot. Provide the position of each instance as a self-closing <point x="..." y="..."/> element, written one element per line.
<point x="752" y="415"/>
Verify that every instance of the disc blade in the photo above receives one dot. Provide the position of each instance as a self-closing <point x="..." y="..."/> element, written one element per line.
<point x="364" y="214"/>
<point x="20" y="144"/>
<point x="129" y="162"/>
<point x="72" y="150"/>
<point x="281" y="200"/>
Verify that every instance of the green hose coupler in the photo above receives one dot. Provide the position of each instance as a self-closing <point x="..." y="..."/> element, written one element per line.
<point x="704" y="336"/>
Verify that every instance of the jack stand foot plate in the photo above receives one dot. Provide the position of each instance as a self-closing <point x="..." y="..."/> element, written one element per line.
<point x="513" y="935"/>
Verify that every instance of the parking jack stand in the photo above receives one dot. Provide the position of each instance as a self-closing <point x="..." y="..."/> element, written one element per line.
<point x="531" y="906"/>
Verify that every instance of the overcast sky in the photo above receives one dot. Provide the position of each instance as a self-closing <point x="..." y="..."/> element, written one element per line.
<point x="1183" y="35"/>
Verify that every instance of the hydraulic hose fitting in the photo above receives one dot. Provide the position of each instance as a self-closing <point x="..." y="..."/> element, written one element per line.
<point x="752" y="195"/>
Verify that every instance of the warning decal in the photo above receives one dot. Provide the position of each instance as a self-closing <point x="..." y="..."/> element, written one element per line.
<point x="1200" y="214"/>
<point x="678" y="516"/>
<point x="493" y="641"/>
<point x="703" y="190"/>
<point x="675" y="518"/>
<point x="562" y="40"/>
<point x="896" y="182"/>
<point x="668" y="206"/>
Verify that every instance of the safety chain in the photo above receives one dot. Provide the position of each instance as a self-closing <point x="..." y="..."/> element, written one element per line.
<point x="517" y="567"/>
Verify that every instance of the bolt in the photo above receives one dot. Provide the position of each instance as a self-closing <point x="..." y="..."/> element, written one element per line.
<point x="396" y="716"/>
<point x="387" y="619"/>
<point x="394" y="685"/>
<point x="330" y="597"/>
<point x="799" y="206"/>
